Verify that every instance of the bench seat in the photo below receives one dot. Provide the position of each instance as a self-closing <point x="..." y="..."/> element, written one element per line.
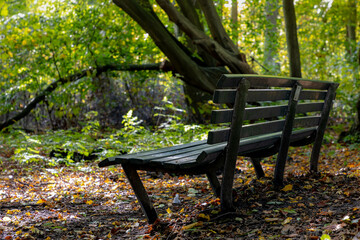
<point x="191" y="158"/>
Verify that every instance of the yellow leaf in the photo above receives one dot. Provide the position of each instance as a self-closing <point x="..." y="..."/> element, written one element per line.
<point x="107" y="180"/>
<point x="182" y="210"/>
<point x="190" y="226"/>
<point x="287" y="188"/>
<point x="24" y="42"/>
<point x="28" y="214"/>
<point x="168" y="211"/>
<point x="41" y="201"/>
<point x="89" y="202"/>
<point x="307" y="186"/>
<point x="4" y="11"/>
<point x="10" y="54"/>
<point x="207" y="217"/>
<point x="287" y="220"/>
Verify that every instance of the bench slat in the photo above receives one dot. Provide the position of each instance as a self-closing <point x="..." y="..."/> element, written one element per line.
<point x="302" y="122"/>
<point x="161" y="150"/>
<point x="225" y="115"/>
<point x="257" y="95"/>
<point x="174" y="153"/>
<point x="232" y="81"/>
<point x="222" y="135"/>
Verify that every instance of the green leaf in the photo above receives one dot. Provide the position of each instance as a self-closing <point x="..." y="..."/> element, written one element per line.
<point x="325" y="237"/>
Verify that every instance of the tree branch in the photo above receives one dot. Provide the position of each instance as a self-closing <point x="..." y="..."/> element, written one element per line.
<point x="199" y="37"/>
<point x="72" y="78"/>
<point x="216" y="27"/>
<point x="178" y="54"/>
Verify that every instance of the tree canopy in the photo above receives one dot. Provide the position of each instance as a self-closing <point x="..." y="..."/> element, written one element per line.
<point x="69" y="53"/>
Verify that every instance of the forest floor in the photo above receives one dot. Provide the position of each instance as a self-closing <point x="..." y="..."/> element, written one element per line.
<point x="86" y="202"/>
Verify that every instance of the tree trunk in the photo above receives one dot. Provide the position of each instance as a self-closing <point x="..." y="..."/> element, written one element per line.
<point x="198" y="73"/>
<point x="351" y="14"/>
<point x="291" y="38"/>
<point x="235" y="21"/>
<point x="271" y="37"/>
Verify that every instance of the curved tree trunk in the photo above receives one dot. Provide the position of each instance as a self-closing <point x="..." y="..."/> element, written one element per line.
<point x="199" y="74"/>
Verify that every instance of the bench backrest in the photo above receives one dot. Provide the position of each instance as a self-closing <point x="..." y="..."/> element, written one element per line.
<point x="276" y="96"/>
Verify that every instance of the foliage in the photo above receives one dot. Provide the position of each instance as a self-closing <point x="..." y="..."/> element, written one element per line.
<point x="42" y="41"/>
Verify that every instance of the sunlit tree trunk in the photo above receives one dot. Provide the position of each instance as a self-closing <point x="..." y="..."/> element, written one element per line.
<point x="235" y="21"/>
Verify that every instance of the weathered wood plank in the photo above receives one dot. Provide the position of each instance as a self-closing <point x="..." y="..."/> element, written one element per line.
<point x="161" y="150"/>
<point x="138" y="158"/>
<point x="225" y="115"/>
<point x="222" y="135"/>
<point x="227" y="96"/>
<point x="304" y="122"/>
<point x="232" y="80"/>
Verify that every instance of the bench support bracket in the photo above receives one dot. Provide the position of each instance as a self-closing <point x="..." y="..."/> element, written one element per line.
<point x="257" y="166"/>
<point x="285" y="137"/>
<point x="214" y="182"/>
<point x="321" y="129"/>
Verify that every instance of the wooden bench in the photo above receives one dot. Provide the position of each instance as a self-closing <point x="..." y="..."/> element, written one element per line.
<point x="289" y="112"/>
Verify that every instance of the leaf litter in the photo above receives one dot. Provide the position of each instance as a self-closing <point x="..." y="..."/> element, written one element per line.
<point x="86" y="202"/>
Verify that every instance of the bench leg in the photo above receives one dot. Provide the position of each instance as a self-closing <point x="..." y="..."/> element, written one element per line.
<point x="214" y="183"/>
<point x="140" y="192"/>
<point x="257" y="166"/>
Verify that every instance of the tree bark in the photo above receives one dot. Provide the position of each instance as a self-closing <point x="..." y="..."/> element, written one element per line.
<point x="291" y="38"/>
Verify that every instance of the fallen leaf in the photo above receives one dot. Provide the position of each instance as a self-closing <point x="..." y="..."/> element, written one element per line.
<point x="287" y="188"/>
<point x="288" y="229"/>
<point x="202" y="215"/>
<point x="190" y="226"/>
<point x="287" y="220"/>
<point x="41" y="201"/>
<point x="272" y="219"/>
